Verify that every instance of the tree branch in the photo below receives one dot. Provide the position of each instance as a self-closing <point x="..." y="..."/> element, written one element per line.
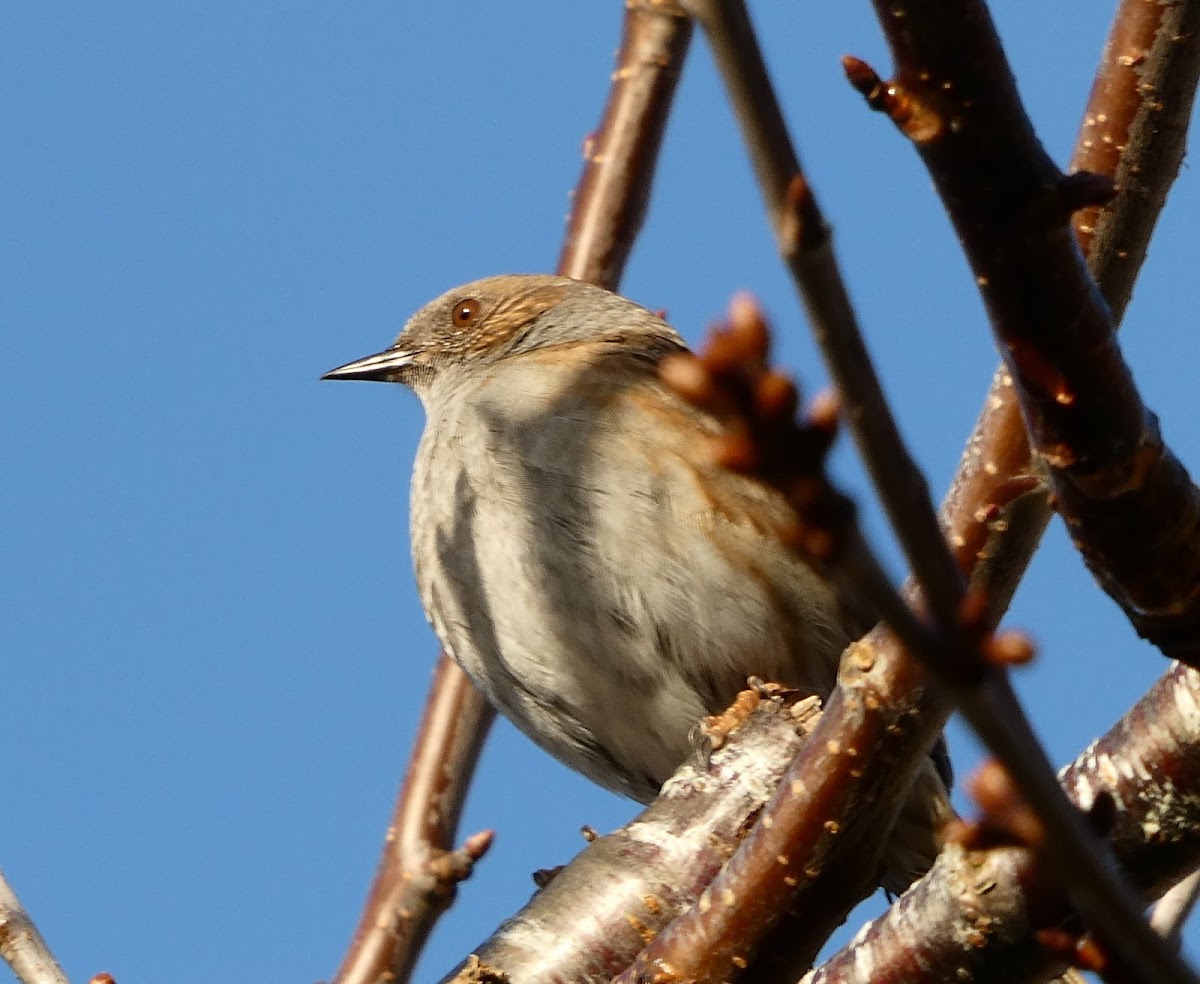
<point x="708" y="941"/>
<point x="600" y="910"/>
<point x="955" y="98"/>
<point x="1128" y="502"/>
<point x="975" y="914"/>
<point x="418" y="870"/>
<point x="22" y="946"/>
<point x="612" y="194"/>
<point x="998" y="505"/>
<point x="977" y="909"/>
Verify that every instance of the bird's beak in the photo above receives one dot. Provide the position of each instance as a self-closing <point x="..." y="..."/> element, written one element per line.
<point x="387" y="366"/>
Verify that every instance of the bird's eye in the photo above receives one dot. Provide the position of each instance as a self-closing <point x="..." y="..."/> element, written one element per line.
<point x="464" y="312"/>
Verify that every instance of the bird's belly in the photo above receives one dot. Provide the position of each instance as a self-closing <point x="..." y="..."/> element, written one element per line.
<point x="606" y="663"/>
<point x="595" y="594"/>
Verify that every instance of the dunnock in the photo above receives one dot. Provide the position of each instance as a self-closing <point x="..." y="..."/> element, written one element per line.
<point x="602" y="583"/>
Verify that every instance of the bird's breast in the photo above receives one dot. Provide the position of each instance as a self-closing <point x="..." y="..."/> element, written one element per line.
<point x="579" y="563"/>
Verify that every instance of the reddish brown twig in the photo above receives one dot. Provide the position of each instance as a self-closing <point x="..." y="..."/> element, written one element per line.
<point x="804" y="242"/>
<point x="613" y="192"/>
<point x="417" y="870"/>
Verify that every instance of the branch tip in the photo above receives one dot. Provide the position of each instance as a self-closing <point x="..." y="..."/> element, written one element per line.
<point x="1009" y="649"/>
<point x="478" y="844"/>
<point x="825" y="410"/>
<point x="913" y="113"/>
<point x="863" y="77"/>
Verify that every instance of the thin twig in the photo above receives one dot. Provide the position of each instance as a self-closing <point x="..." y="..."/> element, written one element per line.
<point x="417" y="870"/>
<point x="22" y="946"/>
<point x="805" y="244"/>
<point x="613" y="192"/>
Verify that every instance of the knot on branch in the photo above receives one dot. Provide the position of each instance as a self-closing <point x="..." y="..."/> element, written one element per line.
<point x="447" y="868"/>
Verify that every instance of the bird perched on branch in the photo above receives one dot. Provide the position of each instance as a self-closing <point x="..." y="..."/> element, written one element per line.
<point x="603" y="583"/>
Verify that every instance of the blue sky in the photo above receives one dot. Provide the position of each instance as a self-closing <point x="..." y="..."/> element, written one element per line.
<point x="215" y="656"/>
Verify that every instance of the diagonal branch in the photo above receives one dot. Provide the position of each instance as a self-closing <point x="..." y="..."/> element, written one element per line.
<point x="975" y="915"/>
<point x="1130" y="132"/>
<point x="613" y="192"/>
<point x="805" y="244"/>
<point x="977" y="910"/>
<point x="1129" y="503"/>
<point x="22" y="946"/>
<point x="418" y="869"/>
<point x="600" y="910"/>
<point x="955" y="98"/>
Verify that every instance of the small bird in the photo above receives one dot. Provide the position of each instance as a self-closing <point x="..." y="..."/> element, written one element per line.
<point x="602" y="583"/>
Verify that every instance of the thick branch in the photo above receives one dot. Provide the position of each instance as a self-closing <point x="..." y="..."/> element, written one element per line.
<point x="976" y="910"/>
<point x="997" y="507"/>
<point x="956" y="100"/>
<point x="1128" y="502"/>
<point x="973" y="916"/>
<point x="599" y="911"/>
